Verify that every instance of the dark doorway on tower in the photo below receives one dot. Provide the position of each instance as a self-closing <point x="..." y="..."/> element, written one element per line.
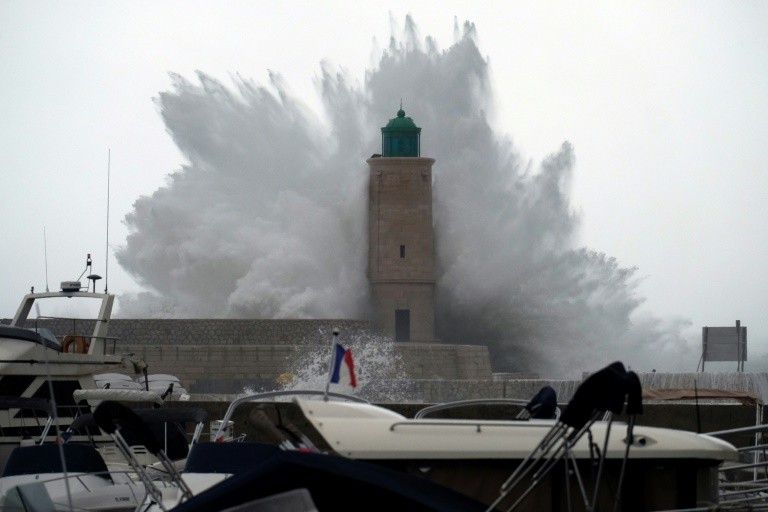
<point x="402" y="325"/>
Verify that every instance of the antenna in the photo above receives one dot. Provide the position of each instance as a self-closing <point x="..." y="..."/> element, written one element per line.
<point x="88" y="263"/>
<point x="45" y="249"/>
<point x="91" y="277"/>
<point x="106" y="259"/>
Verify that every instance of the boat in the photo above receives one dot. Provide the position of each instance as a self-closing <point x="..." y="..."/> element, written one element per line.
<point x="668" y="468"/>
<point x="165" y="421"/>
<point x="72" y="476"/>
<point x="37" y="363"/>
<point x="100" y="477"/>
<point x="30" y="353"/>
<point x="522" y="464"/>
<point x="580" y="459"/>
<point x="220" y="475"/>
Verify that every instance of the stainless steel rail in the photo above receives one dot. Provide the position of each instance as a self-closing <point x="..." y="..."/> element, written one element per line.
<point x="477" y="401"/>
<point x="274" y="394"/>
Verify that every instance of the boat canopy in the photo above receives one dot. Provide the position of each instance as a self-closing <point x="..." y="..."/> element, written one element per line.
<point x="123" y="395"/>
<point x="45" y="458"/>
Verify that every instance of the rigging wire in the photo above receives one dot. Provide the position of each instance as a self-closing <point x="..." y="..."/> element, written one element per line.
<point x="106" y="259"/>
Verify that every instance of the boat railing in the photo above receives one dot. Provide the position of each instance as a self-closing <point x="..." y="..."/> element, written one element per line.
<point x="89" y="338"/>
<point x="474" y="402"/>
<point x="61" y="338"/>
<point x="19" y="410"/>
<point x="107" y="339"/>
<point x="746" y="481"/>
<point x="257" y="397"/>
<point x="477" y="424"/>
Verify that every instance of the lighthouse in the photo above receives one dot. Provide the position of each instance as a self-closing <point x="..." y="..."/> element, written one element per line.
<point x="401" y="242"/>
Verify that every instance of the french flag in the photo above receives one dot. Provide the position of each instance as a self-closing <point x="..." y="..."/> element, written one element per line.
<point x="343" y="355"/>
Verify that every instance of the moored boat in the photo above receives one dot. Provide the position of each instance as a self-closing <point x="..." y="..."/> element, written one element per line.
<point x="37" y="363"/>
<point x="582" y="465"/>
<point x="522" y="464"/>
<point x="667" y="468"/>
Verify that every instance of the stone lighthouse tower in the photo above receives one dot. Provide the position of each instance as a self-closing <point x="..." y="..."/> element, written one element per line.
<point x="401" y="245"/>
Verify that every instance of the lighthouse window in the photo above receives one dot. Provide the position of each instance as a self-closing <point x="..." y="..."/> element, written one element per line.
<point x="402" y="251"/>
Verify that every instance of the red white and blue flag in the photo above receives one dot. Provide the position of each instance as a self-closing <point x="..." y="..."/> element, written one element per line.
<point x="342" y="363"/>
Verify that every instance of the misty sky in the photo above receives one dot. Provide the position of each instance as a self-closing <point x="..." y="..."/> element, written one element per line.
<point x="665" y="105"/>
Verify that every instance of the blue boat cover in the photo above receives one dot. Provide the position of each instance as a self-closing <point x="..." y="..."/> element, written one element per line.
<point x="234" y="458"/>
<point x="46" y="459"/>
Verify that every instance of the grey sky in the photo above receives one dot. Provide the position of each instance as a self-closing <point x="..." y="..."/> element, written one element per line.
<point x="665" y="104"/>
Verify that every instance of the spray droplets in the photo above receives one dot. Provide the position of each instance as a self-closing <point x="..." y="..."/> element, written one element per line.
<point x="269" y="217"/>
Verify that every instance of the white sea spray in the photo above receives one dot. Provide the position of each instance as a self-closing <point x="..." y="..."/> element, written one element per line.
<point x="268" y="218"/>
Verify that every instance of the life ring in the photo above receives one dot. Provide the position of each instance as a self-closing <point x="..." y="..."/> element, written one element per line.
<point x="80" y="343"/>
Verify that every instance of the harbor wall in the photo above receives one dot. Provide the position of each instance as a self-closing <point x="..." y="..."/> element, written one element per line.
<point x="228" y="355"/>
<point x="231" y="368"/>
<point x="212" y="331"/>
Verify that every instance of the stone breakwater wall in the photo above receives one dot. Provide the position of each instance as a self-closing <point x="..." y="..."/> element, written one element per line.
<point x="232" y="368"/>
<point x="226" y="356"/>
<point x="215" y="331"/>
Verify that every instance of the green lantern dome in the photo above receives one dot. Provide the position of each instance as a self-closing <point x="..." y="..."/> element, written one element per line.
<point x="401" y="137"/>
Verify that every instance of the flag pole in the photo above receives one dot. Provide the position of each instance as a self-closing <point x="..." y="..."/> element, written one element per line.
<point x="330" y="363"/>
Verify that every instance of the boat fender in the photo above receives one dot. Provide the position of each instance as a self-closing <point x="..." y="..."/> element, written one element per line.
<point x="80" y="343"/>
